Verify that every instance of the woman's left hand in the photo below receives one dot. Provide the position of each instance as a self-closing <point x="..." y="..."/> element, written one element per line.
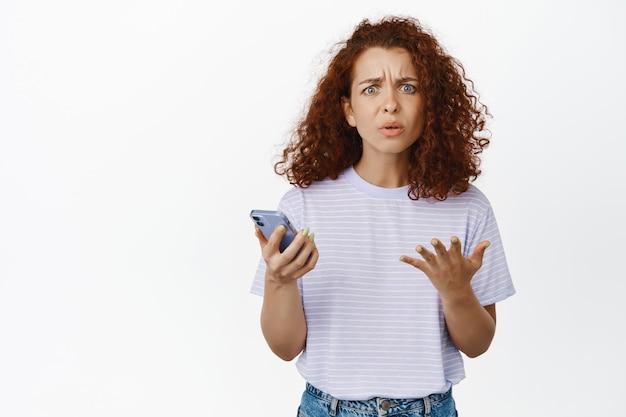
<point x="448" y="270"/>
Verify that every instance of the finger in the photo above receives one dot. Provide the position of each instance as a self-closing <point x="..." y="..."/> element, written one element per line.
<point x="305" y="258"/>
<point x="311" y="261"/>
<point x="417" y="263"/>
<point x="439" y="247"/>
<point x="259" y="235"/>
<point x="315" y="255"/>
<point x="302" y="259"/>
<point x="295" y="247"/>
<point x="274" y="241"/>
<point x="479" y="251"/>
<point x="455" y="244"/>
<point x="426" y="254"/>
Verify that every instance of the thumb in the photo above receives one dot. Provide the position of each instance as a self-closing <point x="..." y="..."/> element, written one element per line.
<point x="479" y="251"/>
<point x="276" y="237"/>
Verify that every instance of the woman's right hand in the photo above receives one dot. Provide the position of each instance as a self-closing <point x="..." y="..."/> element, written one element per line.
<point x="282" y="316"/>
<point x="296" y="260"/>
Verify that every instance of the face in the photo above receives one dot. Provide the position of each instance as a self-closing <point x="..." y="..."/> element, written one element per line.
<point x="385" y="104"/>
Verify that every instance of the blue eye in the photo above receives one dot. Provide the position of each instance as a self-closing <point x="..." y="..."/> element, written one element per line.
<point x="408" y="88"/>
<point x="370" y="90"/>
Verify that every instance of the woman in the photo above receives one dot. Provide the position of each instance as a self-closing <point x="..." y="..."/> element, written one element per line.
<point x="382" y="163"/>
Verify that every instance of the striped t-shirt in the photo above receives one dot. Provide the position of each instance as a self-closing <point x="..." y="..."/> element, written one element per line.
<point x="375" y="325"/>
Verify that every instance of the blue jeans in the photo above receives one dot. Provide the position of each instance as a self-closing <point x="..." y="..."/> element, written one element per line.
<point x="316" y="403"/>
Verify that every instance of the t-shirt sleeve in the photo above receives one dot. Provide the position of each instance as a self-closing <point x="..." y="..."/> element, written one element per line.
<point x="492" y="282"/>
<point x="259" y="278"/>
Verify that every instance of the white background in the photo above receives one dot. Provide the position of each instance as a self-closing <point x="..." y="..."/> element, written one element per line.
<point x="135" y="137"/>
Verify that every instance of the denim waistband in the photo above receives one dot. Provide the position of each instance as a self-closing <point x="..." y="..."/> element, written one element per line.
<point x="389" y="405"/>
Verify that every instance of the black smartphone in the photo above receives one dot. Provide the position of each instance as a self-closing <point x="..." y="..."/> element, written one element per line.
<point x="268" y="220"/>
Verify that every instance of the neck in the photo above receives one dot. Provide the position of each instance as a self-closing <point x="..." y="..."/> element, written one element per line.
<point x="384" y="173"/>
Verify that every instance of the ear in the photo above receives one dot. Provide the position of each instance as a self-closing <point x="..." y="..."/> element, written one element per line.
<point x="347" y="111"/>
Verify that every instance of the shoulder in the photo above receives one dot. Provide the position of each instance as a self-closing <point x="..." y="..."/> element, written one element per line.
<point x="473" y="196"/>
<point x="473" y="192"/>
<point x="323" y="187"/>
<point x="472" y="203"/>
<point x="297" y="194"/>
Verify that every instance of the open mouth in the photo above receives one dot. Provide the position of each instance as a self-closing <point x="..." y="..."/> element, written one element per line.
<point x="391" y="129"/>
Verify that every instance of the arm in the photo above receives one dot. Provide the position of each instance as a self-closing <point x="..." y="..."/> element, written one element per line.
<point x="470" y="325"/>
<point x="282" y="315"/>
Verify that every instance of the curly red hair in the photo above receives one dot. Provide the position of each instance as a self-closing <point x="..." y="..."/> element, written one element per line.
<point x="443" y="160"/>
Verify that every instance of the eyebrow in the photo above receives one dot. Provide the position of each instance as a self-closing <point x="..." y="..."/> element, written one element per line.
<point x="379" y="79"/>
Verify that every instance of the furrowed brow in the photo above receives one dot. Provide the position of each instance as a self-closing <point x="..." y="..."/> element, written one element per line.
<point x="378" y="80"/>
<point x="371" y="81"/>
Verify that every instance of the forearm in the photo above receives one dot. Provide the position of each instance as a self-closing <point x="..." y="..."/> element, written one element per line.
<point x="282" y="319"/>
<point x="470" y="325"/>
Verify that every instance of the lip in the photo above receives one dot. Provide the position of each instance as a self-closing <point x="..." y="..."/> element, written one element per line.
<point x="391" y="129"/>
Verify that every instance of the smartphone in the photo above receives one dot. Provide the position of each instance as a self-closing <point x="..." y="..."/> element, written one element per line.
<point x="268" y="220"/>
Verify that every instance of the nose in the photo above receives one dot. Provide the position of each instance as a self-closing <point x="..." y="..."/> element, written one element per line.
<point x="390" y="105"/>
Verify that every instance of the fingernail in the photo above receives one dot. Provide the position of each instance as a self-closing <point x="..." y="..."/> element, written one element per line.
<point x="487" y="245"/>
<point x="419" y="249"/>
<point x="305" y="232"/>
<point x="281" y="228"/>
<point x="454" y="240"/>
<point x="434" y="242"/>
<point x="402" y="259"/>
<point x="312" y="237"/>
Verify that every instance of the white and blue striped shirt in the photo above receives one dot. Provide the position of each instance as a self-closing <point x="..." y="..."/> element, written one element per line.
<point x="375" y="324"/>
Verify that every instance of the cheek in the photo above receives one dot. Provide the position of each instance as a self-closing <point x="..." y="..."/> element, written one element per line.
<point x="420" y="114"/>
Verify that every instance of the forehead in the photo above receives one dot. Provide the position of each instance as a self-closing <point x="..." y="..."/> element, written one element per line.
<point x="381" y="62"/>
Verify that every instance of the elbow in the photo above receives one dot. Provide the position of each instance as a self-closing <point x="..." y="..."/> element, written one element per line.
<point x="286" y="354"/>
<point x="285" y="339"/>
<point x="286" y="348"/>
<point x="476" y="351"/>
<point x="287" y="357"/>
<point x="474" y="354"/>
